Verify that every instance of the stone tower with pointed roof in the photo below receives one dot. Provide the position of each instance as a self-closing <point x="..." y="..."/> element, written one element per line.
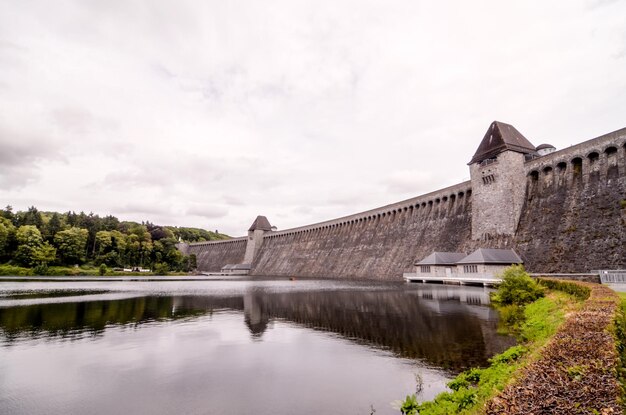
<point x="499" y="180"/>
<point x="255" y="237"/>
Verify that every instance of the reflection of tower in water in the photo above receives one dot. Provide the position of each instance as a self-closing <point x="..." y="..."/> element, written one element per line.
<point x="255" y="315"/>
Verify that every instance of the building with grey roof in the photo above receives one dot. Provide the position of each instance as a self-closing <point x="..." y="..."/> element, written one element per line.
<point x="439" y="263"/>
<point x="488" y="261"/>
<point x="482" y="264"/>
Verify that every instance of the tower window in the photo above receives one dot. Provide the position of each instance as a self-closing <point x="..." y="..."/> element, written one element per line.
<point x="425" y="268"/>
<point x="488" y="179"/>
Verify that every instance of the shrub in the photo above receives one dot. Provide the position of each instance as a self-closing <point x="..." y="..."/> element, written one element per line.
<point x="517" y="287"/>
<point x="458" y="383"/>
<point x="467" y="399"/>
<point x="473" y="375"/>
<point x="511" y="316"/>
<point x="13" y="270"/>
<point x="102" y="270"/>
<point x="465" y="379"/>
<point x="41" y="269"/>
<point x="579" y="291"/>
<point x="410" y="405"/>
<point x="510" y="355"/>
<point x="161" y="268"/>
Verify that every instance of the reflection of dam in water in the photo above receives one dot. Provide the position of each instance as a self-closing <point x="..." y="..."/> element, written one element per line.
<point x="443" y="325"/>
<point x="447" y="326"/>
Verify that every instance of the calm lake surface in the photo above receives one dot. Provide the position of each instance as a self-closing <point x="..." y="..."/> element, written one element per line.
<point x="234" y="346"/>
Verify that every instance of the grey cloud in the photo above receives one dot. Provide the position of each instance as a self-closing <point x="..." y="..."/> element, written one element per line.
<point x="16" y="176"/>
<point x="594" y="4"/>
<point x="74" y="124"/>
<point x="207" y="211"/>
<point x="162" y="171"/>
<point x="408" y="181"/>
<point x="349" y="198"/>
<point x="73" y="120"/>
<point x="21" y="155"/>
<point x="11" y="54"/>
<point x="233" y="200"/>
<point x="236" y="87"/>
<point x="9" y="46"/>
<point x="143" y="208"/>
<point x="303" y="210"/>
<point x="162" y="71"/>
<point x="158" y="171"/>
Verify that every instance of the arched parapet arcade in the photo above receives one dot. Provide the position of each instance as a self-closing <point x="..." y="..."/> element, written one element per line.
<point x="369" y="244"/>
<point x="574" y="212"/>
<point x="598" y="160"/>
<point x="430" y="206"/>
<point x="220" y="242"/>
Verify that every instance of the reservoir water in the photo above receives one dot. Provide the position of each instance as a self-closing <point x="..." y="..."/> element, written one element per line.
<point x="235" y="346"/>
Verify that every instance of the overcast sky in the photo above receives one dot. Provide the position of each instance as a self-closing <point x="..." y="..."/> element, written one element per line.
<point x="208" y="113"/>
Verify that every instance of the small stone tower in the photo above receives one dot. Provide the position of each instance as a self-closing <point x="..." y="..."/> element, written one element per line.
<point x="255" y="237"/>
<point x="498" y="180"/>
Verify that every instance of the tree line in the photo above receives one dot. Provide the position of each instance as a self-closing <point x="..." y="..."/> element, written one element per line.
<point x="38" y="239"/>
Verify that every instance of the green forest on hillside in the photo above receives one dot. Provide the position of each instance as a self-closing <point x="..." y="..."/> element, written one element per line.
<point x="36" y="239"/>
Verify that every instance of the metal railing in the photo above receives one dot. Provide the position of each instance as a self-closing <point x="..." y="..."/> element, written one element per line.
<point x="615" y="276"/>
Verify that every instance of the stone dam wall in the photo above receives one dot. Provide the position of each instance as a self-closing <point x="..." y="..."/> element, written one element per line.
<point x="375" y="244"/>
<point x="572" y="219"/>
<point x="213" y="255"/>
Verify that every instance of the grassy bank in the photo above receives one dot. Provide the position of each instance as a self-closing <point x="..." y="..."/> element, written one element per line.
<point x="473" y="388"/>
<point x="570" y="360"/>
<point x="577" y="371"/>
<point x="13" y="270"/>
<point x="620" y="335"/>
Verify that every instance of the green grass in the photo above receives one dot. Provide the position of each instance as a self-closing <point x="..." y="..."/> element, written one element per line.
<point x="473" y="388"/>
<point x="543" y="317"/>
<point x="13" y="270"/>
<point x="7" y="269"/>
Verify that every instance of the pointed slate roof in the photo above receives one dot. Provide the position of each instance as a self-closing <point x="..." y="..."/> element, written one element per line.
<point x="442" y="258"/>
<point x="492" y="256"/>
<point x="262" y="223"/>
<point x="501" y="137"/>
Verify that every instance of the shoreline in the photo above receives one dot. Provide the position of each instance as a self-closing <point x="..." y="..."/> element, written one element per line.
<point x="125" y="277"/>
<point x="551" y="367"/>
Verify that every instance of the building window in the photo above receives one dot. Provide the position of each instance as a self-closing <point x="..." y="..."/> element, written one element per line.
<point x="425" y="269"/>
<point x="470" y="269"/>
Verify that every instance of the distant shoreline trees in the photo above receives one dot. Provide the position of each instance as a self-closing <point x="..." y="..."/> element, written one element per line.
<point x="37" y="239"/>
